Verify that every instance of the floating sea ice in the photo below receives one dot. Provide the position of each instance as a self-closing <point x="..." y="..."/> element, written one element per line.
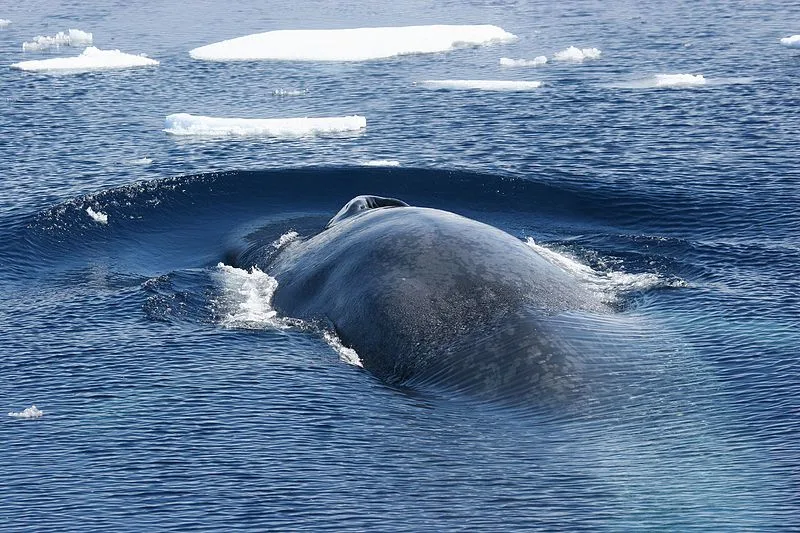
<point x="537" y="61"/>
<point x="482" y="85"/>
<point x="4" y="23"/>
<point x="90" y="59"/>
<point x="577" y="54"/>
<point x="357" y="44"/>
<point x="679" y="80"/>
<point x="30" y="412"/>
<point x="289" y="92"/>
<point x="186" y="124"/>
<point x="792" y="41"/>
<point x="71" y="37"/>
<point x="97" y="216"/>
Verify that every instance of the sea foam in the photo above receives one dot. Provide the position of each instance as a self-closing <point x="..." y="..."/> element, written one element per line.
<point x="481" y="85"/>
<point x="537" y="61"/>
<point x="186" y="124"/>
<point x="382" y="163"/>
<point x="576" y="54"/>
<point x="97" y="216"/>
<point x="357" y="44"/>
<point x="4" y="23"/>
<point x="91" y="59"/>
<point x="29" y="413"/>
<point x="71" y="37"/>
<point x="792" y="41"/>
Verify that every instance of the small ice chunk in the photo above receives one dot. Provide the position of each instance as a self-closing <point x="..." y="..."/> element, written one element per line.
<point x="289" y="92"/>
<point x="30" y="412"/>
<point x="354" y="44"/>
<point x="186" y="124"/>
<point x="792" y="41"/>
<point x="537" y="61"/>
<point x="4" y="23"/>
<point x="482" y="85"/>
<point x="90" y="59"/>
<point x="70" y="37"/>
<point x="577" y="54"/>
<point x="97" y="216"/>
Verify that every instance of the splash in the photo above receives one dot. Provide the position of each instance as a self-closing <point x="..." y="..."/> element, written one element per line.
<point x="97" y="216"/>
<point x="347" y="355"/>
<point x="246" y="300"/>
<point x="610" y="285"/>
<point x="382" y="163"/>
<point x="285" y="239"/>
<point x="27" y="414"/>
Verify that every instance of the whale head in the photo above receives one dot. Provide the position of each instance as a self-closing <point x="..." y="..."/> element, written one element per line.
<point x="361" y="204"/>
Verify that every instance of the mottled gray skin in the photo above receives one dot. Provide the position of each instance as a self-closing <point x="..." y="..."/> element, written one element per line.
<point x="429" y="297"/>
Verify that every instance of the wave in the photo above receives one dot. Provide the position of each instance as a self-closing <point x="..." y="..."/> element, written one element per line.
<point x="481" y="85"/>
<point x="89" y="60"/>
<point x="71" y="37"/>
<point x="357" y="44"/>
<point x="195" y="125"/>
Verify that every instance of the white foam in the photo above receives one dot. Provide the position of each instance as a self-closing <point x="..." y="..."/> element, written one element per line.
<point x="29" y="413"/>
<point x="609" y="284"/>
<point x="90" y="59"/>
<point x="792" y="41"/>
<point x="285" y="239"/>
<point x="482" y="85"/>
<point x="141" y="161"/>
<point x="4" y="23"/>
<point x="348" y="355"/>
<point x="186" y="124"/>
<point x="356" y="44"/>
<point x="246" y="300"/>
<point x="679" y="80"/>
<point x="289" y="92"/>
<point x="537" y="61"/>
<point x="71" y="37"/>
<point x="97" y="216"/>
<point x="382" y="163"/>
<point x="676" y="81"/>
<point x="576" y="54"/>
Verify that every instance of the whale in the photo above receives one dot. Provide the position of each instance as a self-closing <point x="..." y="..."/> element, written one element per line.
<point x="430" y="298"/>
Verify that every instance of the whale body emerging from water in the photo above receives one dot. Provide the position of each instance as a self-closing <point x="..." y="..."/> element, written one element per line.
<point x="429" y="297"/>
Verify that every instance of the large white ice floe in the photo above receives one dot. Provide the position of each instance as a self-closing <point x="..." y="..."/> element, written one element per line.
<point x="71" y="37"/>
<point x="356" y="44"/>
<point x="537" y="61"/>
<point x="792" y="41"/>
<point x="481" y="85"/>
<point x="576" y="54"/>
<point x="187" y="124"/>
<point x="90" y="59"/>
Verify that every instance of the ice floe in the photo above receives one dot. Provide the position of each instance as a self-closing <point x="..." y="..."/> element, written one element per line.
<point x="356" y="44"/>
<point x="792" y="41"/>
<point x="187" y="124"/>
<point x="481" y="85"/>
<point x="576" y="54"/>
<point x="4" y="23"/>
<point x="537" y="61"/>
<point x="30" y="412"/>
<point x="91" y="59"/>
<point x="97" y="216"/>
<point x="71" y="37"/>
<point x="678" y="81"/>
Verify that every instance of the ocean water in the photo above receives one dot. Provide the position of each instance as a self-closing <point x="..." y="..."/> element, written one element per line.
<point x="174" y="399"/>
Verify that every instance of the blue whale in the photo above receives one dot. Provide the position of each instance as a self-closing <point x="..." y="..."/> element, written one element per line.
<point x="430" y="298"/>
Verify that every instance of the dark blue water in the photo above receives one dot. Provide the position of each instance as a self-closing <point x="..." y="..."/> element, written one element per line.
<point x="174" y="403"/>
